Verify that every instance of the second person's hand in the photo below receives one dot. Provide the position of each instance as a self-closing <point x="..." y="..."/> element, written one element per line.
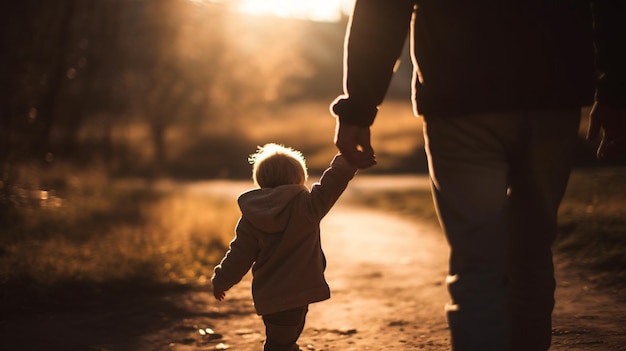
<point x="609" y="123"/>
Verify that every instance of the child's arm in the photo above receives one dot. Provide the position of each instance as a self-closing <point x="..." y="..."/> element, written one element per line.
<point x="237" y="261"/>
<point x="333" y="182"/>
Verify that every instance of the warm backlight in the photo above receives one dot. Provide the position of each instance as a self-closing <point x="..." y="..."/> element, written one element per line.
<point x="319" y="10"/>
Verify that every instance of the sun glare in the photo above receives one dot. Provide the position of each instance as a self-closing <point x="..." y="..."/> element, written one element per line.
<point x="318" y="10"/>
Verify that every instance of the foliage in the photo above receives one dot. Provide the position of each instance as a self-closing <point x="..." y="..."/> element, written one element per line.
<point x="592" y="223"/>
<point x="87" y="80"/>
<point x="94" y="234"/>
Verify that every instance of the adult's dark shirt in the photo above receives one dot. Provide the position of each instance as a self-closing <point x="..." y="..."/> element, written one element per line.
<point x="486" y="56"/>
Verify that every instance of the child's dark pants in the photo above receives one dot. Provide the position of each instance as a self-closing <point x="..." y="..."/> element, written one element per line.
<point x="282" y="329"/>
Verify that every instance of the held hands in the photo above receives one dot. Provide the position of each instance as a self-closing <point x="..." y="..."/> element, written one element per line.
<point x="354" y="143"/>
<point x="612" y="121"/>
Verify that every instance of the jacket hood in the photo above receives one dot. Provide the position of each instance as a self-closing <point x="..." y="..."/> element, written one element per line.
<point x="268" y="209"/>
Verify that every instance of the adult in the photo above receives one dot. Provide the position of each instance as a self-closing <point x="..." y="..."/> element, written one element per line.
<point x="500" y="85"/>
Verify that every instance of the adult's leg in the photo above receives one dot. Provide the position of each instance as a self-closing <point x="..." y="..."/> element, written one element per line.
<point x="282" y="329"/>
<point x="539" y="175"/>
<point x="469" y="167"/>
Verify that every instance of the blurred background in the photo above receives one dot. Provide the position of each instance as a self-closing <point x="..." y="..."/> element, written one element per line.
<point x="174" y="88"/>
<point x="110" y="108"/>
<point x="180" y="88"/>
<point x="113" y="112"/>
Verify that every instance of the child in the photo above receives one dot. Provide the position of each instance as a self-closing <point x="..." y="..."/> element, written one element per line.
<point x="278" y="235"/>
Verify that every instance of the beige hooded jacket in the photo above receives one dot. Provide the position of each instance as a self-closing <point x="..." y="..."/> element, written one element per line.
<point x="278" y="235"/>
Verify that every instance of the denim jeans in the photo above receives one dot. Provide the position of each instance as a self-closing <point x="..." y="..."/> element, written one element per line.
<point x="497" y="182"/>
<point x="282" y="329"/>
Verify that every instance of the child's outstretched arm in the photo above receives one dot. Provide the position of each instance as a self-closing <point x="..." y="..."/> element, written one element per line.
<point x="331" y="185"/>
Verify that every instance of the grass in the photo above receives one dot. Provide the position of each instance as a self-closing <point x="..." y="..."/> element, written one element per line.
<point x="592" y="223"/>
<point x="97" y="237"/>
<point x="415" y="204"/>
<point x="218" y="146"/>
<point x="396" y="135"/>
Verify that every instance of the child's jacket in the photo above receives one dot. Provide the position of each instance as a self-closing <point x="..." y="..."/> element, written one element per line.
<point x="278" y="235"/>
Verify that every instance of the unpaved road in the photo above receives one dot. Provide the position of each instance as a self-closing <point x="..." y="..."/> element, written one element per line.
<point x="386" y="276"/>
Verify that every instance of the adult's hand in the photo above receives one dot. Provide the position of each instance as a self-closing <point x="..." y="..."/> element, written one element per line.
<point x="355" y="145"/>
<point x="612" y="122"/>
<point x="219" y="295"/>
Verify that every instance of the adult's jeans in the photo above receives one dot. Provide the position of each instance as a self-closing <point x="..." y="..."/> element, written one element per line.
<point x="497" y="182"/>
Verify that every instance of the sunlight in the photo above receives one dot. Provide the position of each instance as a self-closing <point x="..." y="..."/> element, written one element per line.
<point x="319" y="10"/>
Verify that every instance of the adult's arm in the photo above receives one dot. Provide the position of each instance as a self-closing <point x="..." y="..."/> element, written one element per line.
<point x="609" y="110"/>
<point x="375" y="37"/>
<point x="610" y="41"/>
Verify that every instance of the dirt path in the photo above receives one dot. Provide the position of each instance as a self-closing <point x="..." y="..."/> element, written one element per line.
<point x="386" y="275"/>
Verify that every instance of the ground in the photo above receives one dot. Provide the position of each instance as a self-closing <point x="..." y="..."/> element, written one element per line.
<point x="386" y="275"/>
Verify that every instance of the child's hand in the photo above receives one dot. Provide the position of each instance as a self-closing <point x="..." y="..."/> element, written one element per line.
<point x="219" y="295"/>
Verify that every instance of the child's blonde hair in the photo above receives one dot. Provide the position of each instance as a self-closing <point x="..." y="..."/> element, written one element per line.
<point x="274" y="165"/>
